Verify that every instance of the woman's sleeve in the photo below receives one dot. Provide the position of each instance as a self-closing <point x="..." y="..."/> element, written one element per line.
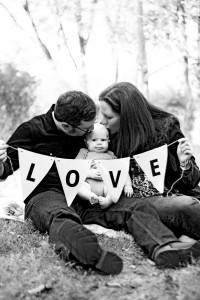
<point x="191" y="177"/>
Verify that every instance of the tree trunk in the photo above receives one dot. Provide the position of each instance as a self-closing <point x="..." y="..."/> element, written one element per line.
<point x="83" y="73"/>
<point x="189" y="105"/>
<point x="198" y="47"/>
<point x="84" y="31"/>
<point x="142" y="77"/>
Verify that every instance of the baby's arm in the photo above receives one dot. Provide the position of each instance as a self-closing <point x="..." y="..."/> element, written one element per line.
<point x="93" y="172"/>
<point x="128" y="190"/>
<point x="82" y="153"/>
<point x="112" y="155"/>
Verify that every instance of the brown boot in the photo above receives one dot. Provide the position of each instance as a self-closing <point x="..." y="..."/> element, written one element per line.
<point x="172" y="254"/>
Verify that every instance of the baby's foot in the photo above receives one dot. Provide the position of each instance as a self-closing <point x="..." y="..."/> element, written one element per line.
<point x="93" y="198"/>
<point x="104" y="202"/>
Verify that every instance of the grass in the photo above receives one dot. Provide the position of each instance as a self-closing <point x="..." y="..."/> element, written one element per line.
<point x="29" y="269"/>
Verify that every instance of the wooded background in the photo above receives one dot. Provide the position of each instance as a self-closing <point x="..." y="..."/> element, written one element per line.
<point x="50" y="46"/>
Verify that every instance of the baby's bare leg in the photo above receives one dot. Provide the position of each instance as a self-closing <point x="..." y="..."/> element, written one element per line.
<point x="86" y="194"/>
<point x="105" y="201"/>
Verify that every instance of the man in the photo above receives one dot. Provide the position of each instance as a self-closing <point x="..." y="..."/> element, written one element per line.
<point x="59" y="133"/>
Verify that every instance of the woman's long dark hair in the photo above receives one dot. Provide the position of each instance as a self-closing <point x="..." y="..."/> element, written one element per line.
<point x="137" y="131"/>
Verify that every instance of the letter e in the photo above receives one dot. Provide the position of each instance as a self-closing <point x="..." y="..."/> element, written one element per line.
<point x="154" y="167"/>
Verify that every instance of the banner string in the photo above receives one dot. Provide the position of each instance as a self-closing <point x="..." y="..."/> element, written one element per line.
<point x="171" y="188"/>
<point x="130" y="157"/>
<point x="12" y="147"/>
<point x="11" y="165"/>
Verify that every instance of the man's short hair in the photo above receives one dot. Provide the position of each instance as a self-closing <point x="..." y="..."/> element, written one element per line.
<point x="74" y="107"/>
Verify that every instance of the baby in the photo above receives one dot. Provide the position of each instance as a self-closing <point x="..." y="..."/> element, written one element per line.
<point x="94" y="189"/>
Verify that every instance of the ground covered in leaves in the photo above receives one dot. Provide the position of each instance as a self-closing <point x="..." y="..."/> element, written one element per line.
<point x="29" y="269"/>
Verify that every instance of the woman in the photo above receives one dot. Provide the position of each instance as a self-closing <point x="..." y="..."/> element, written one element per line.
<point x="138" y="126"/>
<point x="156" y="221"/>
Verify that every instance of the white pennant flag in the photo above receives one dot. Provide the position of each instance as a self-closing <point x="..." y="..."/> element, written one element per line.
<point x="73" y="173"/>
<point x="114" y="174"/>
<point x="153" y="164"/>
<point x="33" y="168"/>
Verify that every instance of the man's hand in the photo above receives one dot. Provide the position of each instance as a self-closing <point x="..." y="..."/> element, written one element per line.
<point x="3" y="155"/>
<point x="3" y="151"/>
<point x="184" y="151"/>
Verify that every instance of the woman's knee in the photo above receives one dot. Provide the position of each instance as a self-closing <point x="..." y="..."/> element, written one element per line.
<point x="183" y="200"/>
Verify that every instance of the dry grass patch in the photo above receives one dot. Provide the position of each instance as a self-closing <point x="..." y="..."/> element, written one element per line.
<point x="29" y="269"/>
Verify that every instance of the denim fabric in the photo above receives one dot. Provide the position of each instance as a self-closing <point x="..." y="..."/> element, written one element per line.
<point x="151" y="221"/>
<point x="49" y="212"/>
<point x="134" y="215"/>
<point x="180" y="213"/>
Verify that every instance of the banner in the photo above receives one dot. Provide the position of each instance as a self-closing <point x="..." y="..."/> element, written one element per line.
<point x="153" y="164"/>
<point x="72" y="174"/>
<point x="33" y="168"/>
<point x="114" y="174"/>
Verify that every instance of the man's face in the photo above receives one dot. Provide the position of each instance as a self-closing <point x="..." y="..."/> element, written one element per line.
<point x="80" y="130"/>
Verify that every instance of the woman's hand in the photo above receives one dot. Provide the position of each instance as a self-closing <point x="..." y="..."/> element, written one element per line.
<point x="184" y="151"/>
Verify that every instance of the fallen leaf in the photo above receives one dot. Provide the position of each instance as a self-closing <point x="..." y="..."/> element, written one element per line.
<point x="39" y="289"/>
<point x="113" y="284"/>
<point x="132" y="266"/>
<point x="151" y="262"/>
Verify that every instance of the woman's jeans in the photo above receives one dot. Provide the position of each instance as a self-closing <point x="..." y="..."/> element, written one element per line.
<point x="180" y="213"/>
<point x="151" y="221"/>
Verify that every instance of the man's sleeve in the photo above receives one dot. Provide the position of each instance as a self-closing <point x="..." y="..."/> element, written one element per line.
<point x="21" y="138"/>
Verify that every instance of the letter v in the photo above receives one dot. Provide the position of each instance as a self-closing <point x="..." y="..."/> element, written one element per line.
<point x="115" y="182"/>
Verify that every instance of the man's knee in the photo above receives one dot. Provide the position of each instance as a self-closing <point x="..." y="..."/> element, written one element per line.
<point x="65" y="214"/>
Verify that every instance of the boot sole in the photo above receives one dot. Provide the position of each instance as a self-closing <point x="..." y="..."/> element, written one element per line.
<point x="168" y="259"/>
<point x="83" y="245"/>
<point x="195" y="250"/>
<point x="172" y="258"/>
<point x="109" y="263"/>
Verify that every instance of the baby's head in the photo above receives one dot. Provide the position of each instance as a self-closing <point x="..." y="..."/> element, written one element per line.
<point x="97" y="140"/>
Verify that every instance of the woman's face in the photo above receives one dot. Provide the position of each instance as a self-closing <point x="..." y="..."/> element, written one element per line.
<point x="110" y="119"/>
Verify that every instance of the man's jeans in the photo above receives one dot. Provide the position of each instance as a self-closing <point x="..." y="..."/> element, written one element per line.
<point x="49" y="212"/>
<point x="151" y="221"/>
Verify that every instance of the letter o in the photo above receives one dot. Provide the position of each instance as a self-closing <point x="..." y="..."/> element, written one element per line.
<point x="76" y="178"/>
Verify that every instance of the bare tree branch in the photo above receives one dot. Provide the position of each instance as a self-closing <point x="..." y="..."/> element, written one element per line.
<point x="43" y="46"/>
<point x="64" y="35"/>
<point x="12" y="17"/>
